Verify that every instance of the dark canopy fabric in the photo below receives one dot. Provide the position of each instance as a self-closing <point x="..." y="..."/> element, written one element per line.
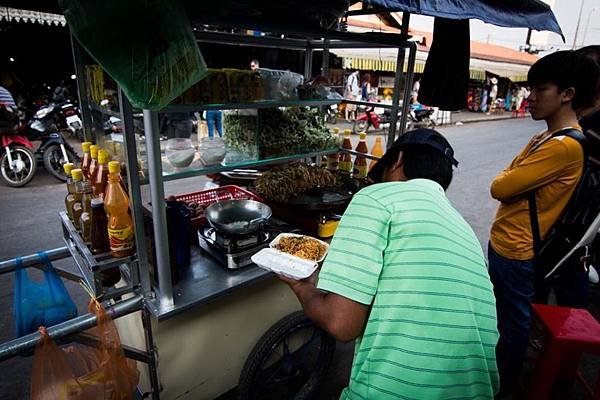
<point x="532" y="14"/>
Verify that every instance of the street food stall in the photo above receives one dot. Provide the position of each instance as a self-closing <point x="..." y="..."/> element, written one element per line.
<point x="192" y="307"/>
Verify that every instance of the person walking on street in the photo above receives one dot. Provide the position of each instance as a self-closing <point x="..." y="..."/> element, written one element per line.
<point x="365" y="88"/>
<point x="351" y="92"/>
<point x="405" y="276"/>
<point x="214" y="120"/>
<point x="550" y="166"/>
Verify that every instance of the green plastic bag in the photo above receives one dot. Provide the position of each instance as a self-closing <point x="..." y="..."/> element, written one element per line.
<point x="146" y="46"/>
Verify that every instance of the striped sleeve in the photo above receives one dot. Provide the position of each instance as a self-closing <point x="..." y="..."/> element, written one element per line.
<point x="355" y="257"/>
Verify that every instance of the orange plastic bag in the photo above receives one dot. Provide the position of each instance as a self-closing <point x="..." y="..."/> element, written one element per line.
<point x="82" y="372"/>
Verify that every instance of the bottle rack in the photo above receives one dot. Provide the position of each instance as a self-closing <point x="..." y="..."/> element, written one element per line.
<point x="91" y="265"/>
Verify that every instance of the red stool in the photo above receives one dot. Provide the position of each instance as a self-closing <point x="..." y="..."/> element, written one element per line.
<point x="568" y="333"/>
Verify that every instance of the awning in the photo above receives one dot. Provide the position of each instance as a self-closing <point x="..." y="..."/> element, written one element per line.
<point x="533" y="14"/>
<point x="385" y="60"/>
<point x="20" y="15"/>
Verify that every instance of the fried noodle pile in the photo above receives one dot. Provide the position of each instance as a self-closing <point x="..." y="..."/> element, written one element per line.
<point x="303" y="247"/>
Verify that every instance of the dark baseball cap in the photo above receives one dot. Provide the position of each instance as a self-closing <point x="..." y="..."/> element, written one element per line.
<point x="422" y="136"/>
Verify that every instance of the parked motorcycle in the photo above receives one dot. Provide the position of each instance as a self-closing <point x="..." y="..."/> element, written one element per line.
<point x="17" y="160"/>
<point x="370" y="119"/>
<point x="54" y="150"/>
<point x="331" y="114"/>
<point x="65" y="116"/>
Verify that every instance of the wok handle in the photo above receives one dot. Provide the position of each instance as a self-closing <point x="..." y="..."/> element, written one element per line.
<point x="255" y="220"/>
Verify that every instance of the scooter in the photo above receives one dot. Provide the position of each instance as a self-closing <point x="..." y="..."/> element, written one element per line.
<point x="17" y="160"/>
<point x="421" y="118"/>
<point x="65" y="117"/>
<point x="331" y="114"/>
<point x="371" y="119"/>
<point x="54" y="150"/>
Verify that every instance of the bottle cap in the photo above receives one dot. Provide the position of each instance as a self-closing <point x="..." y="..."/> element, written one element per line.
<point x="363" y="136"/>
<point x="94" y="150"/>
<point x="85" y="146"/>
<point x="114" y="167"/>
<point x="97" y="202"/>
<point x="347" y="132"/>
<point x="378" y="139"/>
<point x="68" y="167"/>
<point x="336" y="130"/>
<point x="103" y="156"/>
<point x="77" y="174"/>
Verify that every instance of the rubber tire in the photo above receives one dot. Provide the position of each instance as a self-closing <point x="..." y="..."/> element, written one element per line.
<point x="58" y="174"/>
<point x="264" y="347"/>
<point x="33" y="167"/>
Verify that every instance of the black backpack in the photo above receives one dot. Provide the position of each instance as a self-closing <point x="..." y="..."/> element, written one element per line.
<point x="579" y="213"/>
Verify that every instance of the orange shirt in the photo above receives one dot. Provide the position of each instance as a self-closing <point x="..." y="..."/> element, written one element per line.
<point x="553" y="169"/>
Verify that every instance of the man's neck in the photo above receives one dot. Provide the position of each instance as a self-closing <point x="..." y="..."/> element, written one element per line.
<point x="565" y="117"/>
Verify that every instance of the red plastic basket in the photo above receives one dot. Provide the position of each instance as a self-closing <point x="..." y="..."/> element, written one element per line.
<point x="208" y="197"/>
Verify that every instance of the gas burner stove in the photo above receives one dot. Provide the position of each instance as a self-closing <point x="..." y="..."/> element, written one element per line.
<point x="233" y="251"/>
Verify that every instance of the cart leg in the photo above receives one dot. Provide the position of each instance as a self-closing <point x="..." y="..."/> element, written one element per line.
<point x="151" y="350"/>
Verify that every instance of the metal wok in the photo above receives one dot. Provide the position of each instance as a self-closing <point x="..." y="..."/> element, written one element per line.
<point x="237" y="217"/>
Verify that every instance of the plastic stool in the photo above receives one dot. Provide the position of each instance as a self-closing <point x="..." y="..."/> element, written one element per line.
<point x="568" y="333"/>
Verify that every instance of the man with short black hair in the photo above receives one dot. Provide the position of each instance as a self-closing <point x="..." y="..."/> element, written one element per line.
<point x="548" y="168"/>
<point x="406" y="277"/>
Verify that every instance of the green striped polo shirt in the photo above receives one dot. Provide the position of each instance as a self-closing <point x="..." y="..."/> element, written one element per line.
<point x="431" y="333"/>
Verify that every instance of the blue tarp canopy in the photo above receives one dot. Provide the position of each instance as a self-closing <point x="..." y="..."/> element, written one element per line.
<point x="532" y="14"/>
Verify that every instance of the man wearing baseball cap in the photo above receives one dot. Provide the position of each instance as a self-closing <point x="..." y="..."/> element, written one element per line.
<point x="406" y="278"/>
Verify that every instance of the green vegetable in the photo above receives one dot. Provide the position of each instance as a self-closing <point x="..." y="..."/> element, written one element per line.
<point x="280" y="132"/>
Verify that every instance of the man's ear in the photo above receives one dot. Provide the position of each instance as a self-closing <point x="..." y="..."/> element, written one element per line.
<point x="568" y="94"/>
<point x="399" y="162"/>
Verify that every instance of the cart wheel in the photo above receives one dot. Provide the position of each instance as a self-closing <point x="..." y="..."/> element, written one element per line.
<point x="288" y="362"/>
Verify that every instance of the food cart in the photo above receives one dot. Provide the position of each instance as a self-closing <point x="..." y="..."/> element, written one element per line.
<point x="217" y="327"/>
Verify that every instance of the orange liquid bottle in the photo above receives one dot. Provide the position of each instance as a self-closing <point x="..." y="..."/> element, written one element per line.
<point x="377" y="150"/>
<point x="116" y="204"/>
<point x="360" y="163"/>
<point x="85" y="163"/>
<point x="93" y="162"/>
<point x="345" y="164"/>
<point x="99" y="183"/>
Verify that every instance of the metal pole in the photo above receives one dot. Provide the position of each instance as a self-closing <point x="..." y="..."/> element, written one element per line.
<point x="142" y="274"/>
<point x="159" y="216"/>
<point x="396" y="97"/>
<point x="308" y="58"/>
<point x="81" y="88"/>
<point x="32" y="259"/>
<point x="79" y="324"/>
<point x="578" y="22"/>
<point x="325" y="63"/>
<point x="151" y="350"/>
<point x="410" y="72"/>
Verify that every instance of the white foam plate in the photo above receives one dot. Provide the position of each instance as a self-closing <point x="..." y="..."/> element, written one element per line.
<point x="284" y="264"/>
<point x="275" y="242"/>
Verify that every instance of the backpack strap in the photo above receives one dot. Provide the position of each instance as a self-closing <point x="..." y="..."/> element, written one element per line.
<point x="577" y="135"/>
<point x="535" y="225"/>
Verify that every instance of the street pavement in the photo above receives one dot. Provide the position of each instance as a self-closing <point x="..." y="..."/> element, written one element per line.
<point x="29" y="224"/>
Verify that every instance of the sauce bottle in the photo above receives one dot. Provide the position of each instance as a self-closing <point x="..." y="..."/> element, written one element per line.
<point x="74" y="203"/>
<point x="360" y="162"/>
<point x="85" y="163"/>
<point x="345" y="164"/>
<point x="116" y="204"/>
<point x="377" y="150"/>
<point x="99" y="183"/>
<point x="99" y="242"/>
<point x="333" y="160"/>
<point x="85" y="217"/>
<point x="93" y="162"/>
<point x="68" y="167"/>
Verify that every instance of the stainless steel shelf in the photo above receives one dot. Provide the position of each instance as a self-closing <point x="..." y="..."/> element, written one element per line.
<point x="191" y="171"/>
<point x="249" y="105"/>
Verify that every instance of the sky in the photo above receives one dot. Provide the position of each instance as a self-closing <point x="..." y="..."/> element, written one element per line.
<point x="566" y="11"/>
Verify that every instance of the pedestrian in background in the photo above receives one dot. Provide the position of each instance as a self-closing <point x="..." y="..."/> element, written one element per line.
<point x="351" y="92"/>
<point x="214" y="120"/>
<point x="549" y="166"/>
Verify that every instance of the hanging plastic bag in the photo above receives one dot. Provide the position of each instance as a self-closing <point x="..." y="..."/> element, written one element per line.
<point x="81" y="372"/>
<point x="147" y="46"/>
<point x="44" y="303"/>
